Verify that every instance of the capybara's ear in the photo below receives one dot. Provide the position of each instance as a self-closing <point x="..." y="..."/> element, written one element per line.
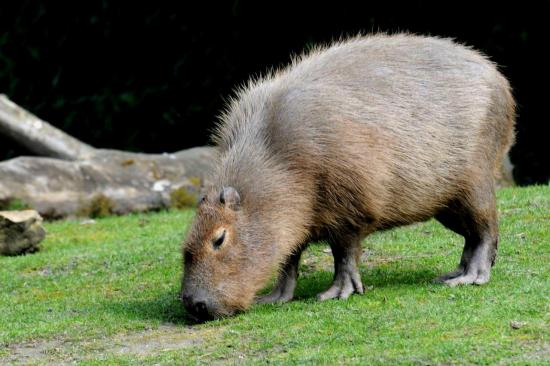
<point x="230" y="198"/>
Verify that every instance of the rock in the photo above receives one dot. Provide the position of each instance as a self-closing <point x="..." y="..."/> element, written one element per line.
<point x="514" y="324"/>
<point x="20" y="232"/>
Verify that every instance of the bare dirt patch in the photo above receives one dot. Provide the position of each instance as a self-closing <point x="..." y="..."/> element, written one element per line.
<point x="167" y="337"/>
<point x="535" y="353"/>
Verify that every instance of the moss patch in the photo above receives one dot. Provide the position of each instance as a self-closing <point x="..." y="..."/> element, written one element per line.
<point x="13" y="204"/>
<point x="181" y="198"/>
<point x="99" y="206"/>
<point x="195" y="181"/>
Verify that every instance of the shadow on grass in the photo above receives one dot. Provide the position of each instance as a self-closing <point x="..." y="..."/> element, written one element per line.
<point x="167" y="308"/>
<point x="309" y="286"/>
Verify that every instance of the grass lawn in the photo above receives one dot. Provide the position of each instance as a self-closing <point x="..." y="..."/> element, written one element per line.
<point x="106" y="293"/>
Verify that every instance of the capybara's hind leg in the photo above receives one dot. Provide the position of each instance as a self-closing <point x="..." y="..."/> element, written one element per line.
<point x="286" y="283"/>
<point x="347" y="279"/>
<point x="474" y="218"/>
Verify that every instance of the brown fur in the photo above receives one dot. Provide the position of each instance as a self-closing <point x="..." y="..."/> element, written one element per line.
<point x="367" y="134"/>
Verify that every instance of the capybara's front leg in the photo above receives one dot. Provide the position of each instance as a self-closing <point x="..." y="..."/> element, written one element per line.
<point x="347" y="279"/>
<point x="286" y="283"/>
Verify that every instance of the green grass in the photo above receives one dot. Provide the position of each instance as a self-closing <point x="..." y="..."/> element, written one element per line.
<point x="106" y="293"/>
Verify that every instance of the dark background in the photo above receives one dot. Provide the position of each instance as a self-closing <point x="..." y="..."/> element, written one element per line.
<point x="153" y="77"/>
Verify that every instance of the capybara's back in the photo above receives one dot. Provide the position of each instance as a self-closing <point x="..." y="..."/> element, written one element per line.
<point x="366" y="134"/>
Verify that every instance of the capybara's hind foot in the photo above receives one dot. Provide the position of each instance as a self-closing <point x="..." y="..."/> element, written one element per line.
<point x="345" y="283"/>
<point x="474" y="276"/>
<point x="448" y="276"/>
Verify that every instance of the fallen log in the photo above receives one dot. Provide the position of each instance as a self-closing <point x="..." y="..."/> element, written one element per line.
<point x="130" y="182"/>
<point x="73" y="175"/>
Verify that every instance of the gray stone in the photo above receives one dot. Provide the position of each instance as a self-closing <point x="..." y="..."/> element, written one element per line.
<point x="20" y="232"/>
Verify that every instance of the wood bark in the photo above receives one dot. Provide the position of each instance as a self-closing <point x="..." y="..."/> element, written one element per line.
<point x="70" y="174"/>
<point x="39" y="136"/>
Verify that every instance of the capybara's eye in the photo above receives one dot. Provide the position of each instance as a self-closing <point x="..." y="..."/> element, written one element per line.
<point x="219" y="241"/>
<point x="202" y="199"/>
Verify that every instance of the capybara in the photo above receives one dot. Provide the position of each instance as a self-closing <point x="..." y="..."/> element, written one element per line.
<point x="366" y="134"/>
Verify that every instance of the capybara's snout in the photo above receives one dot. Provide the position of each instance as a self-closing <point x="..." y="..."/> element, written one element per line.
<point x="202" y="307"/>
<point x="198" y="305"/>
<point x="198" y="309"/>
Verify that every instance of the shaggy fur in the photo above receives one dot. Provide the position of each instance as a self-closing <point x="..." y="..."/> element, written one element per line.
<point x="366" y="134"/>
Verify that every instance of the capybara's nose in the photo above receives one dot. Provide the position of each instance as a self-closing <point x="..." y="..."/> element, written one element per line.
<point x="198" y="309"/>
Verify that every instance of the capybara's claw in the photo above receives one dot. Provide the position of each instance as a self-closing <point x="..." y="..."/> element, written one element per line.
<point x="344" y="285"/>
<point x="274" y="297"/>
<point x="474" y="276"/>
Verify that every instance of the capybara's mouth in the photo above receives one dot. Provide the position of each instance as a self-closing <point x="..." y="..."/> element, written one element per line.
<point x="201" y="317"/>
<point x="194" y="319"/>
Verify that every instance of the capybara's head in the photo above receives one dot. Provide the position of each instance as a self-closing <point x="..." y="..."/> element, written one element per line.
<point x="222" y="257"/>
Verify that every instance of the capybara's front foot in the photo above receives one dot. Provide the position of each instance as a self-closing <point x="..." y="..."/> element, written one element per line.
<point x="286" y="284"/>
<point x="275" y="296"/>
<point x="283" y="290"/>
<point x="346" y="282"/>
